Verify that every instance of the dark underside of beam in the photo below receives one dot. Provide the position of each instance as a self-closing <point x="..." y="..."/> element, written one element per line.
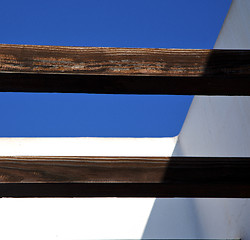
<point x="124" y="177"/>
<point x="114" y="84"/>
<point x="124" y="70"/>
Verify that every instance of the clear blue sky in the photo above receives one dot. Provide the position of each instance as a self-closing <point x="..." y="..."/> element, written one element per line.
<point x="109" y="23"/>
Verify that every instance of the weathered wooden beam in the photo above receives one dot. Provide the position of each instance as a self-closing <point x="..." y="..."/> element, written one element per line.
<point x="26" y="68"/>
<point x="124" y="177"/>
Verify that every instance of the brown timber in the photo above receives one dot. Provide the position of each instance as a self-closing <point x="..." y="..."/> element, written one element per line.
<point x="26" y="68"/>
<point x="124" y="177"/>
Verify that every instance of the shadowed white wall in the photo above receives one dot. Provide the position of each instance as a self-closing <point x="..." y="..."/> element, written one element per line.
<point x="215" y="126"/>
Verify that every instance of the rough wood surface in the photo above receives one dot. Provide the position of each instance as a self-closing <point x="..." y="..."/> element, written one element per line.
<point x="125" y="176"/>
<point x="124" y="70"/>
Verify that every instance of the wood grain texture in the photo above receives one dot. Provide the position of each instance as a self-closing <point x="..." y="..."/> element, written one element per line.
<point x="124" y="176"/>
<point x="124" y="70"/>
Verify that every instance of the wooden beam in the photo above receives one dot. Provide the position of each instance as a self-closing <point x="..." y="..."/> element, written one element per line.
<point x="26" y="68"/>
<point x="124" y="177"/>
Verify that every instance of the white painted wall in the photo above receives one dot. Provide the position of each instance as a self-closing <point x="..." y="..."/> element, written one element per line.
<point x="197" y="218"/>
<point x="73" y="218"/>
<point x="84" y="146"/>
<point x="214" y="127"/>
<point x="78" y="218"/>
<point x="219" y="126"/>
<point x="235" y="33"/>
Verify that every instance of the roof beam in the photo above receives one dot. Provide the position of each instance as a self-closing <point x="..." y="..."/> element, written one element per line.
<point x="26" y="68"/>
<point x="124" y="177"/>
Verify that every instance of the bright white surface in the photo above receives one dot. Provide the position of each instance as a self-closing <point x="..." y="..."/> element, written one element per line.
<point x="87" y="146"/>
<point x="75" y="218"/>
<point x="123" y="218"/>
